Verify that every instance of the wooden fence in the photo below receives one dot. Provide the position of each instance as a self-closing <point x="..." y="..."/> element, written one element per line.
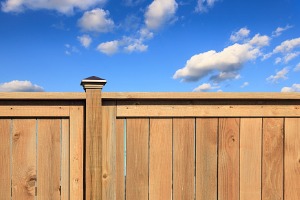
<point x="156" y="146"/>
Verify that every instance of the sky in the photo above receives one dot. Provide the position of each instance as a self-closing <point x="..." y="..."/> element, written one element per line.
<point x="150" y="46"/>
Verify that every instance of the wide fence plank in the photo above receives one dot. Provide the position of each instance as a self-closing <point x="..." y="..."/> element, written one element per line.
<point x="228" y="163"/>
<point x="160" y="168"/>
<point x="206" y="158"/>
<point x="24" y="159"/>
<point x="250" y="158"/>
<point x="65" y="159"/>
<point x="137" y="159"/>
<point x="48" y="156"/>
<point x="272" y="159"/>
<point x="292" y="159"/>
<point x="183" y="158"/>
<point x="120" y="159"/>
<point x="5" y="159"/>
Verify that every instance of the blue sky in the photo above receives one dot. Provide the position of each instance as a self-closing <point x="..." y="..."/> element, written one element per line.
<point x="145" y="45"/>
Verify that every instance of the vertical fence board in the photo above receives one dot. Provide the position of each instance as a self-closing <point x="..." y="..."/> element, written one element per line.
<point x="160" y="172"/>
<point x="250" y="158"/>
<point x="272" y="158"/>
<point x="228" y="167"/>
<point x="183" y="158"/>
<point x="292" y="159"/>
<point x="65" y="160"/>
<point x="206" y="158"/>
<point x="137" y="158"/>
<point x="48" y="156"/>
<point x="5" y="160"/>
<point x="109" y="152"/>
<point x="24" y="159"/>
<point x="120" y="175"/>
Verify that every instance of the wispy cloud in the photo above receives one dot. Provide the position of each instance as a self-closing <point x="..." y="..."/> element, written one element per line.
<point x="70" y="49"/>
<point x="20" y="86"/>
<point x="297" y="68"/>
<point x="294" y="88"/>
<point x="205" y="5"/>
<point x="205" y="87"/>
<point x="245" y="84"/>
<point x="240" y="35"/>
<point x="280" y="30"/>
<point x="278" y="76"/>
<point x="85" y="40"/>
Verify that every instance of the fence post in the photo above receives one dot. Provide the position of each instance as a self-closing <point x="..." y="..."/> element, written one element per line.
<point x="93" y="138"/>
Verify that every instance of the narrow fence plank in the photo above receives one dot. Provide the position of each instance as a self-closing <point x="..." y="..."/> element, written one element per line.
<point x="5" y="160"/>
<point x="206" y="158"/>
<point x="160" y="170"/>
<point x="109" y="152"/>
<point x="292" y="159"/>
<point x="183" y="158"/>
<point x="137" y="159"/>
<point x="250" y="158"/>
<point x="272" y="158"/>
<point x="24" y="159"/>
<point x="120" y="171"/>
<point x="48" y="156"/>
<point x="76" y="152"/>
<point x="228" y="167"/>
<point x="34" y="111"/>
<point x="65" y="160"/>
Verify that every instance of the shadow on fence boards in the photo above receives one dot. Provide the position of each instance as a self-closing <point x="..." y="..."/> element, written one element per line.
<point x="156" y="146"/>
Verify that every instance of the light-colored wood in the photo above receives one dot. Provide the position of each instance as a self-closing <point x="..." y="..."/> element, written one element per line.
<point x="93" y="151"/>
<point x="109" y="152"/>
<point x="76" y="152"/>
<point x="250" y="158"/>
<point x="292" y="159"/>
<point x="120" y="164"/>
<point x="208" y="110"/>
<point x="206" y="158"/>
<point x="183" y="158"/>
<point x="24" y="159"/>
<point x="42" y="95"/>
<point x="272" y="159"/>
<point x="5" y="159"/>
<point x="160" y="168"/>
<point x="65" y="159"/>
<point x="228" y="164"/>
<point x="34" y="111"/>
<point x="48" y="159"/>
<point x="137" y="159"/>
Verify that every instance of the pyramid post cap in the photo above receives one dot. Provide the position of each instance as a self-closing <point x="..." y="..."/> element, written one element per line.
<point x="93" y="82"/>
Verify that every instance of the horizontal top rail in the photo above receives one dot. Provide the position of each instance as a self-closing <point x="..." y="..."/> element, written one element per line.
<point x="149" y="96"/>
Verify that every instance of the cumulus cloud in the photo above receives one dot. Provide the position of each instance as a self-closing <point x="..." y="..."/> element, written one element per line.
<point x="245" y="84"/>
<point x="294" y="88"/>
<point x="278" y="76"/>
<point x="239" y="35"/>
<point x="20" y="86"/>
<point x="85" y="40"/>
<point x="205" y="87"/>
<point x="280" y="30"/>
<point x="63" y="6"/>
<point x="109" y="48"/>
<point x="160" y="12"/>
<point x="204" y="5"/>
<point x="226" y="62"/>
<point x="96" y="20"/>
<point x="287" y="46"/>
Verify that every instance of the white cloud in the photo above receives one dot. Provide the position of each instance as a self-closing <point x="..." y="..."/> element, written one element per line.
<point x="297" y="68"/>
<point x="228" y="61"/>
<point x="294" y="88"/>
<point x="85" y="40"/>
<point x="96" y="20"/>
<point x="279" y="75"/>
<point x="290" y="56"/>
<point x="245" y="84"/>
<point x="205" y="87"/>
<point x="287" y="46"/>
<point x="278" y="60"/>
<point x="136" y="46"/>
<point x="20" y="86"/>
<point x="109" y="48"/>
<point x="70" y="49"/>
<point x="160" y="12"/>
<point x="223" y="76"/>
<point x="280" y="30"/>
<point x="239" y="35"/>
<point x="204" y="5"/>
<point x="63" y="6"/>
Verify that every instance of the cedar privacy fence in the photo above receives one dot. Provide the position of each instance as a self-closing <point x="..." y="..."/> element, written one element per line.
<point x="156" y="146"/>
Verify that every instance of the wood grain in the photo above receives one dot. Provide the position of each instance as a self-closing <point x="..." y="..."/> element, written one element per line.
<point x="160" y="170"/>
<point x="5" y="159"/>
<point x="137" y="159"/>
<point x="272" y="158"/>
<point x="65" y="159"/>
<point x="292" y="159"/>
<point x="183" y="158"/>
<point x="34" y="111"/>
<point x="206" y="158"/>
<point x="48" y="156"/>
<point x="120" y="163"/>
<point x="228" y="163"/>
<point x="250" y="158"/>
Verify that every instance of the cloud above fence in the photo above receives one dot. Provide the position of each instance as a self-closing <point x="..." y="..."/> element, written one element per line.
<point x="20" y="86"/>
